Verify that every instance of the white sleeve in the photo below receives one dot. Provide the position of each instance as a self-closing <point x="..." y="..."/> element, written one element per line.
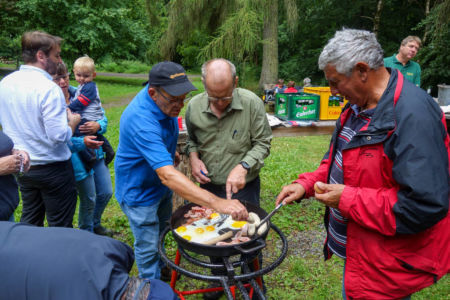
<point x="54" y="116"/>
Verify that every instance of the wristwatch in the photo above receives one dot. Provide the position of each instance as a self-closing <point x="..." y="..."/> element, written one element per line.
<point x="245" y="165"/>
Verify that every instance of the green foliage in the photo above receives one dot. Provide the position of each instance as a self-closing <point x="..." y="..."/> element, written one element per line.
<point x="434" y="56"/>
<point x="157" y="17"/>
<point x="190" y="31"/>
<point x="189" y="50"/>
<point x="96" y="28"/>
<point x="124" y="66"/>
<point x="236" y="39"/>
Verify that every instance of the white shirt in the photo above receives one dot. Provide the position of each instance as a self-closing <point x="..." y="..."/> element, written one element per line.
<point x="33" y="114"/>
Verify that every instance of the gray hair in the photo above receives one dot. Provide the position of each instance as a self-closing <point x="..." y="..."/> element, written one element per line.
<point x="232" y="67"/>
<point x="350" y="46"/>
<point x="411" y="38"/>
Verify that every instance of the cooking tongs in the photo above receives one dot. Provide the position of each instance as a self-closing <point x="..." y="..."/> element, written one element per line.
<point x="269" y="216"/>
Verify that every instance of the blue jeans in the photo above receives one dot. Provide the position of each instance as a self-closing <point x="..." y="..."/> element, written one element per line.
<point x="146" y="223"/>
<point x="94" y="192"/>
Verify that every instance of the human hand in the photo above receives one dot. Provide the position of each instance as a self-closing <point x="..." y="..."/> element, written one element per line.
<point x="25" y="159"/>
<point x="235" y="180"/>
<point x="10" y="164"/>
<point x="290" y="193"/>
<point x="329" y="194"/>
<point x="90" y="142"/>
<point x="198" y="170"/>
<point x="231" y="207"/>
<point x="73" y="119"/>
<point x="90" y="127"/>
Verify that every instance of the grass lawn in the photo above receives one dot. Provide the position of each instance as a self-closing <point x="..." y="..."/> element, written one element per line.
<point x="303" y="274"/>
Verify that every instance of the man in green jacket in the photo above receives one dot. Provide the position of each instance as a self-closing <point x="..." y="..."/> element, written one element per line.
<point x="402" y="60"/>
<point x="229" y="136"/>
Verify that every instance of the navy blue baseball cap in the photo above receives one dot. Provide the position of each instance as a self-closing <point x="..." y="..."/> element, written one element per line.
<point x="171" y="77"/>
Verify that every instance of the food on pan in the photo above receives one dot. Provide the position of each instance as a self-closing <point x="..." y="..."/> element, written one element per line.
<point x="254" y="221"/>
<point x="205" y="226"/>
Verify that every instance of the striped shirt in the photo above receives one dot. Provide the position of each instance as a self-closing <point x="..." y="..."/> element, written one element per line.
<point x="337" y="224"/>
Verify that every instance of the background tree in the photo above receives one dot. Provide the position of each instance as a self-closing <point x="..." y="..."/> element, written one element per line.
<point x="237" y="29"/>
<point x="266" y="39"/>
<point x="435" y="55"/>
<point x="103" y="29"/>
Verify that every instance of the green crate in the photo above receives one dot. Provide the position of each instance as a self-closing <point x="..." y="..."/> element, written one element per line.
<point x="281" y="105"/>
<point x="303" y="106"/>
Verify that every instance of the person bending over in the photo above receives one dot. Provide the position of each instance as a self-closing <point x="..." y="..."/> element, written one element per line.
<point x="66" y="263"/>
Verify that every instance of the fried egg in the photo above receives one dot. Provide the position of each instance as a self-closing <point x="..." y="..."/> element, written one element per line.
<point x="229" y="223"/>
<point x="205" y="229"/>
<point x="197" y="234"/>
<point x="214" y="216"/>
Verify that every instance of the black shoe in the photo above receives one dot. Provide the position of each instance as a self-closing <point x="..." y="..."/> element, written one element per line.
<point x="213" y="295"/>
<point x="100" y="230"/>
<point x="166" y="274"/>
<point x="107" y="149"/>
<point x="88" y="158"/>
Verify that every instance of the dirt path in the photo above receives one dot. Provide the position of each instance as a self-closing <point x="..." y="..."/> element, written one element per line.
<point x="121" y="101"/>
<point x="139" y="76"/>
<point x="6" y="70"/>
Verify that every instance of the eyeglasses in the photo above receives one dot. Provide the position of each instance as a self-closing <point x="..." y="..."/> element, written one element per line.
<point x="173" y="100"/>
<point x="218" y="99"/>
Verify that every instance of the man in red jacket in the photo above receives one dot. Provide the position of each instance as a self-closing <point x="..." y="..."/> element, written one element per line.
<point x="386" y="173"/>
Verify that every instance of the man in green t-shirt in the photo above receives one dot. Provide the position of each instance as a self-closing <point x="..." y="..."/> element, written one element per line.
<point x="402" y="60"/>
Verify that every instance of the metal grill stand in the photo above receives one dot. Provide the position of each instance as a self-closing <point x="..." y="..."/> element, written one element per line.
<point x="231" y="280"/>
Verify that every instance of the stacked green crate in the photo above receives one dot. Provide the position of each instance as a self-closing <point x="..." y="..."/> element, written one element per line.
<point x="281" y="106"/>
<point x="303" y="106"/>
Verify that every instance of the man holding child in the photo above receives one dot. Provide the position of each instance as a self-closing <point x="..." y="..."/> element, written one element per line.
<point x="33" y="114"/>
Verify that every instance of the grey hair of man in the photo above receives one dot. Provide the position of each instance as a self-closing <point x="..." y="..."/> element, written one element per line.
<point x="411" y="38"/>
<point x="232" y="67"/>
<point x="350" y="46"/>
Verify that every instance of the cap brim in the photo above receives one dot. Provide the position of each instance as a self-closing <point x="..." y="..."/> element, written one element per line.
<point x="179" y="89"/>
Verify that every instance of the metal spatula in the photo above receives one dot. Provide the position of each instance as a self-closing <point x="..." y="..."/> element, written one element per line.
<point x="269" y="215"/>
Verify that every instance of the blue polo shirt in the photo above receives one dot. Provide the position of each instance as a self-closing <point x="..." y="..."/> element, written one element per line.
<point x="147" y="141"/>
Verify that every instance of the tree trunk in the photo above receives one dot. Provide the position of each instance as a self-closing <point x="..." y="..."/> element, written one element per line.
<point x="427" y="26"/>
<point x="269" y="70"/>
<point x="376" y="19"/>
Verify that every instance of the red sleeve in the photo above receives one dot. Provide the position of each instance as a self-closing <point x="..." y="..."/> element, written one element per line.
<point x="307" y="180"/>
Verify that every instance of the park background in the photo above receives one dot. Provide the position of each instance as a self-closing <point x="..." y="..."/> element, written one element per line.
<point x="266" y="40"/>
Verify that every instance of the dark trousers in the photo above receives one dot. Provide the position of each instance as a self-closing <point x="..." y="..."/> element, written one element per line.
<point x="49" y="190"/>
<point x="250" y="193"/>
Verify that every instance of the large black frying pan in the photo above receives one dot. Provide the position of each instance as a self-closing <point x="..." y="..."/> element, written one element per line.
<point x="254" y="244"/>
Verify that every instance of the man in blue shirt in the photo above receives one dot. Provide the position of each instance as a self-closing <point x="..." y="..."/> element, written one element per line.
<point x="144" y="166"/>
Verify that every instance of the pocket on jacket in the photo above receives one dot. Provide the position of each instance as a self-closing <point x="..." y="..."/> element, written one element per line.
<point x="414" y="253"/>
